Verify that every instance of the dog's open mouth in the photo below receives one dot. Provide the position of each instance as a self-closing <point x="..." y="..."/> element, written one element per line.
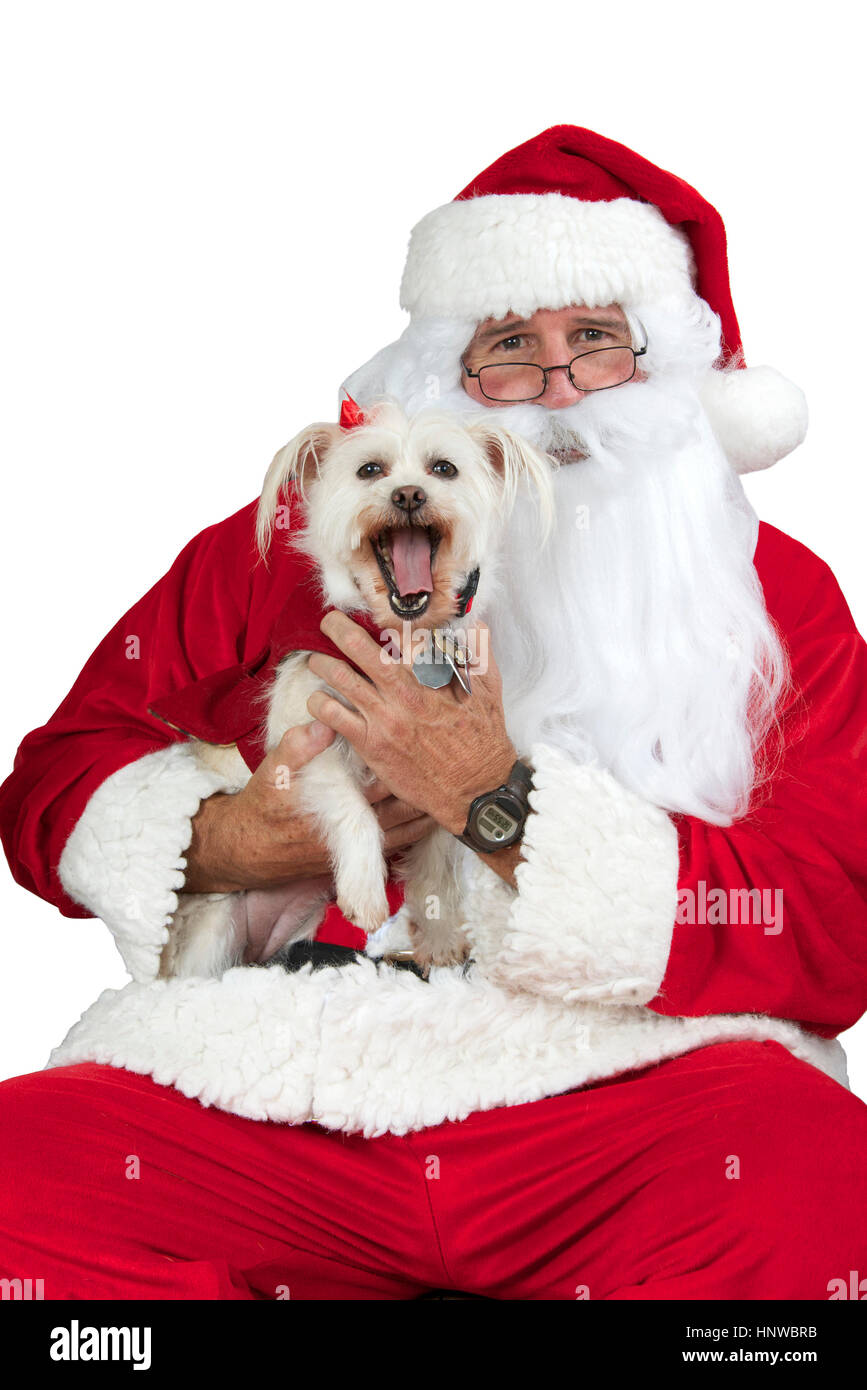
<point x="405" y="556"/>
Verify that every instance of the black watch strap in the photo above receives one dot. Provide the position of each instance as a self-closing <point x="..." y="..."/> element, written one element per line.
<point x="520" y="780"/>
<point x="517" y="786"/>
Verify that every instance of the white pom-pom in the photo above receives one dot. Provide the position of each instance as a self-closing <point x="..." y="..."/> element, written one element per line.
<point x="757" y="415"/>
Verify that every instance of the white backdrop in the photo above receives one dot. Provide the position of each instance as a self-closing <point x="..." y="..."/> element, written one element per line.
<point x="206" y="214"/>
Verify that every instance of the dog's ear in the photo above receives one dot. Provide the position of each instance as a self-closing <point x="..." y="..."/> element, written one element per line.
<point x="298" y="461"/>
<point x="512" y="459"/>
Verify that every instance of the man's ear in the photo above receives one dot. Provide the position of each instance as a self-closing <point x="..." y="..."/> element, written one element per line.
<point x="299" y="462"/>
<point x="513" y="459"/>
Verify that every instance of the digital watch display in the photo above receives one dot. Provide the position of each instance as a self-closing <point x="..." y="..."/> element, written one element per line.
<point x="496" y="818"/>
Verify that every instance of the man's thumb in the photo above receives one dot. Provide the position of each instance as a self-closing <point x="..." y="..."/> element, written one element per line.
<point x="302" y="742"/>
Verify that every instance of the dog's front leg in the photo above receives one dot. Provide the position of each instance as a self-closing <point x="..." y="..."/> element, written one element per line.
<point x="431" y="914"/>
<point x="205" y="937"/>
<point x="330" y="791"/>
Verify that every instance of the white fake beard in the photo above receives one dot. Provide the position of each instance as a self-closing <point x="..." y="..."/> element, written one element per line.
<point x="638" y="639"/>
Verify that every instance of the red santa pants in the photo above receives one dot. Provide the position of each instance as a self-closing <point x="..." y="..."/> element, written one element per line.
<point x="735" y="1171"/>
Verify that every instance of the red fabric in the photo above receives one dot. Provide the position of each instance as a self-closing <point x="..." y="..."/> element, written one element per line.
<point x="579" y="163"/>
<point x="217" y="609"/>
<point x="228" y="706"/>
<point x="623" y="1190"/>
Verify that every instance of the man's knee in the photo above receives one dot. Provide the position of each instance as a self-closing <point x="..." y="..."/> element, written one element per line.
<point x="799" y="1175"/>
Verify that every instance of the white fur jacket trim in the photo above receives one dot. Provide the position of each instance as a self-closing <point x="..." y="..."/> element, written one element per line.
<point x="370" y="1049"/>
<point x="593" y="913"/>
<point x="124" y="859"/>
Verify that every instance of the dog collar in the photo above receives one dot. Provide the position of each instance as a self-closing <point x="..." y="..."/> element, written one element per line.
<point x="467" y="593"/>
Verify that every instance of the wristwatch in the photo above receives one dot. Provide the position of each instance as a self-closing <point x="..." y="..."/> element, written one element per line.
<point x="496" y="819"/>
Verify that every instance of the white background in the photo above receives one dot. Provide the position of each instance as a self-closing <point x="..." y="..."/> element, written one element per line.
<point x="206" y="214"/>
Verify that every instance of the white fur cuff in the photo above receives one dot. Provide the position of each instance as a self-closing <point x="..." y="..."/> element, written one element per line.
<point x="124" y="859"/>
<point x="594" y="911"/>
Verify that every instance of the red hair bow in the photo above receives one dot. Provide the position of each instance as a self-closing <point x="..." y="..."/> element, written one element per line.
<point x="350" y="414"/>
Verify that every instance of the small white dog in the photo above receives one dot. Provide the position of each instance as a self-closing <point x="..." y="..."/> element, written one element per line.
<point x="403" y="518"/>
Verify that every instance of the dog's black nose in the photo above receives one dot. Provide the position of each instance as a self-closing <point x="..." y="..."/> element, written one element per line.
<point x="409" y="497"/>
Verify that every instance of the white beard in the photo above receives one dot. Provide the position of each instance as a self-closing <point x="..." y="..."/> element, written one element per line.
<point x="638" y="639"/>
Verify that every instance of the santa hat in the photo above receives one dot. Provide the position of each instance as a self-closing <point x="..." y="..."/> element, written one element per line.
<point x="572" y="218"/>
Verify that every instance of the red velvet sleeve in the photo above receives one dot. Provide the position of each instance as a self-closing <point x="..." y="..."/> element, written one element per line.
<point x="801" y="951"/>
<point x="193" y="621"/>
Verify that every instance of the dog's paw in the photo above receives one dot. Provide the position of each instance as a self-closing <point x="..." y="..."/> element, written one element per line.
<point x="437" y="944"/>
<point x="367" y="910"/>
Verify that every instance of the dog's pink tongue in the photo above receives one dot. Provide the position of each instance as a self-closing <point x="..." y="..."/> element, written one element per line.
<point x="410" y="557"/>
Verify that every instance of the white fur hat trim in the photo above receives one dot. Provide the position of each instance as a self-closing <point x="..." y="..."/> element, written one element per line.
<point x="515" y="253"/>
<point x="486" y="257"/>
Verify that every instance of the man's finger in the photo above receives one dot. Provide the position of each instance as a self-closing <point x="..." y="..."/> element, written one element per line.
<point x="408" y="833"/>
<point x="393" y="812"/>
<point x="356" y="643"/>
<point x="300" y="744"/>
<point x="337" y="716"/>
<point x="376" y="791"/>
<point x="340" y="676"/>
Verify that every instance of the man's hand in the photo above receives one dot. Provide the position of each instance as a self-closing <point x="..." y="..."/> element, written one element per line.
<point x="257" y="838"/>
<point x="435" y="749"/>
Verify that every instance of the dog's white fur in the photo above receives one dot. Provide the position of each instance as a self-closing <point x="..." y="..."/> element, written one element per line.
<point x="343" y="511"/>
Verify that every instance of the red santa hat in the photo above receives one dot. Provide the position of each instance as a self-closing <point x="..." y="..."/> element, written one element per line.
<point x="572" y="218"/>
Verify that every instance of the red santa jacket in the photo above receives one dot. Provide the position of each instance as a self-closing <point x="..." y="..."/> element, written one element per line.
<point x="207" y="629"/>
<point x="226" y="706"/>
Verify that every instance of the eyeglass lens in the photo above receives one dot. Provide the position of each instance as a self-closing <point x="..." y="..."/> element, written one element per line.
<point x="524" y="381"/>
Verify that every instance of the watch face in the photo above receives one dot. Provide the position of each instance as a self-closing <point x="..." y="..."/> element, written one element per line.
<point x="495" y="823"/>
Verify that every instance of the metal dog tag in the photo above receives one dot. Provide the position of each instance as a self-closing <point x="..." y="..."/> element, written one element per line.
<point x="453" y="660"/>
<point x="458" y="657"/>
<point x="433" y="674"/>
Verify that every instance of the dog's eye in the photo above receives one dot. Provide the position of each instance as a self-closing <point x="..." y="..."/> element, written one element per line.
<point x="363" y="470"/>
<point x="444" y="468"/>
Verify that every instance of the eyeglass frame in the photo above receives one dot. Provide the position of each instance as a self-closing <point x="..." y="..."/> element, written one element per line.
<point x="564" y="366"/>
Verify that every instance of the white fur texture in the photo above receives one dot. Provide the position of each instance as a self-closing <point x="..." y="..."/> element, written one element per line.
<point x="757" y="414"/>
<point x="593" y="914"/>
<point x="124" y="859"/>
<point x="369" y="1049"/>
<point x="515" y="253"/>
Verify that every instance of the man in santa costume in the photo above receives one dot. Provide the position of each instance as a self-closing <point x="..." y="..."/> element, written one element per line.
<point x="635" y="1090"/>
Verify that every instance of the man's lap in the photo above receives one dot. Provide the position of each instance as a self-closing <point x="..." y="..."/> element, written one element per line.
<point x="683" y="1179"/>
<point x="689" y="1179"/>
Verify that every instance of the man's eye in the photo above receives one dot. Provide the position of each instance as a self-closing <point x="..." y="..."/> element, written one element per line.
<point x="514" y="341"/>
<point x="369" y="470"/>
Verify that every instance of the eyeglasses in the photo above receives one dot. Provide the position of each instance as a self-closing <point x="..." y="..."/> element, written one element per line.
<point x="526" y="381"/>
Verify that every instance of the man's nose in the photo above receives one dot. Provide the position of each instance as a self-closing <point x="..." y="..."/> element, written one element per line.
<point x="409" y="497"/>
<point x="559" y="391"/>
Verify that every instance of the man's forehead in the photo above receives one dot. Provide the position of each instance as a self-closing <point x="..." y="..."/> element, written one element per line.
<point x="608" y="316"/>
